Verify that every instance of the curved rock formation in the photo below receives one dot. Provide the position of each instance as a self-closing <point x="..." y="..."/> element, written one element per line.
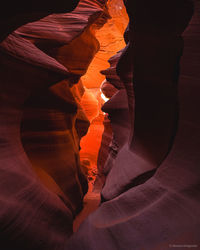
<point x="150" y="170"/>
<point x="116" y="131"/>
<point x="111" y="40"/>
<point x="42" y="191"/>
<point x="27" y="207"/>
<point x="144" y="209"/>
<point x="91" y="142"/>
<point x="15" y="14"/>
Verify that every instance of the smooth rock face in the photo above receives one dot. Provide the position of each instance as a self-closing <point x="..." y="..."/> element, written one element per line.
<point x="90" y="143"/>
<point x="15" y="14"/>
<point x="111" y="40"/>
<point x="141" y="208"/>
<point x="42" y="121"/>
<point x="29" y="212"/>
<point x="117" y="131"/>
<point x="50" y="136"/>
<point x="149" y="170"/>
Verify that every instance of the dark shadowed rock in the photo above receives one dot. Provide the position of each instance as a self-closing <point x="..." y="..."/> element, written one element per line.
<point x="42" y="184"/>
<point x="154" y="210"/>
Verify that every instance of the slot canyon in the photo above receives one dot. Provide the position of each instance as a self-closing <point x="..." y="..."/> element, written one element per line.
<point x="100" y="125"/>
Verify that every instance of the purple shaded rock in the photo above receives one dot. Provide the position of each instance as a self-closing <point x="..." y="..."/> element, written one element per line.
<point x="41" y="193"/>
<point x="163" y="210"/>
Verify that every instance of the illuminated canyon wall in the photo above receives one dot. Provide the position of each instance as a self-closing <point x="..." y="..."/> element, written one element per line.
<point x="111" y="40"/>
<point x="150" y="197"/>
<point x="43" y="120"/>
<point x="148" y="162"/>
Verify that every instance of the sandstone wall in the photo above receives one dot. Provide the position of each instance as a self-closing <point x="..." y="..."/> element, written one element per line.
<point x="150" y="199"/>
<point x="42" y="120"/>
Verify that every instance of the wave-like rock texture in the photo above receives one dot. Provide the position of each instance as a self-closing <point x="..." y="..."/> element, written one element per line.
<point x="91" y="142"/>
<point x="111" y="74"/>
<point x="111" y="40"/>
<point x="51" y="128"/>
<point x="15" y="14"/>
<point x="116" y="123"/>
<point x="144" y="209"/>
<point x="42" y="184"/>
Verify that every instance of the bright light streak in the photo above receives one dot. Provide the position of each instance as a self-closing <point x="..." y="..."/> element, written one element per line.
<point x="103" y="96"/>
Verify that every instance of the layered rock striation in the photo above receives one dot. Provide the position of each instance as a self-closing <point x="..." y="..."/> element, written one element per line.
<point x="150" y="199"/>
<point x="42" y="121"/>
<point x="149" y="159"/>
